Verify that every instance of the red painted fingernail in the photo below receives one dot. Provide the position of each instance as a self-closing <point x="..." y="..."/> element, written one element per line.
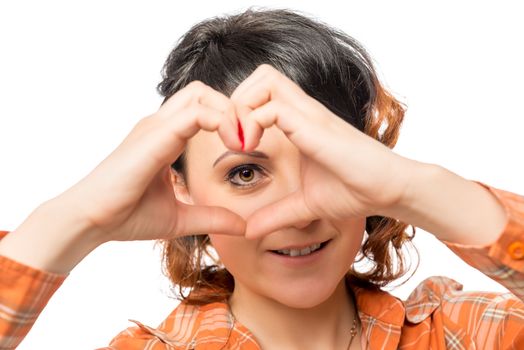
<point x="240" y="133"/>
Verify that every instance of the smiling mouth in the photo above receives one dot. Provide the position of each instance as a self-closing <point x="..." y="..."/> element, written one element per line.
<point x="301" y="252"/>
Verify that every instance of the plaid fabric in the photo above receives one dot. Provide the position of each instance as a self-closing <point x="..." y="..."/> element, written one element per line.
<point x="24" y="292"/>
<point x="437" y="315"/>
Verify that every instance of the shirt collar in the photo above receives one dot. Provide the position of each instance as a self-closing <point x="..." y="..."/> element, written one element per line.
<point x="213" y="325"/>
<point x="379" y="305"/>
<point x="418" y="306"/>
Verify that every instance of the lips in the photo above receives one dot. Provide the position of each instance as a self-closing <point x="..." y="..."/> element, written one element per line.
<point x="300" y="250"/>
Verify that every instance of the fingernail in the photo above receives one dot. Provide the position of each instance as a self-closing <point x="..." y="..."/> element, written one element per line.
<point x="240" y="133"/>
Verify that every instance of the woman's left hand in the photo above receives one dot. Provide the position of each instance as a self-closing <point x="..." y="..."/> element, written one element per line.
<point x="345" y="173"/>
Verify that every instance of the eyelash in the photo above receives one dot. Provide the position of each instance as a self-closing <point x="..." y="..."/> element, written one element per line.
<point x="236" y="170"/>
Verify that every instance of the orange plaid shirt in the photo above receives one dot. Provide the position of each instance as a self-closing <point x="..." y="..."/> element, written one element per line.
<point x="437" y="314"/>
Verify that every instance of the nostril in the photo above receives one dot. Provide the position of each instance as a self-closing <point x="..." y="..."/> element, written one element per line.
<point x="302" y="224"/>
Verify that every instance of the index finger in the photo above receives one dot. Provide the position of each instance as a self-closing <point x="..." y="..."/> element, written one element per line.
<point x="198" y="91"/>
<point x="286" y="212"/>
<point x="266" y="83"/>
<point x="195" y="94"/>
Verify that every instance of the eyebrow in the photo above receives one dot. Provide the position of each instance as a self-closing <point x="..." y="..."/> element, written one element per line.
<point x="256" y="154"/>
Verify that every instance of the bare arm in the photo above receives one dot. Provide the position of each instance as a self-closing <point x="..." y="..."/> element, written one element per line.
<point x="451" y="207"/>
<point x="129" y="195"/>
<point x="53" y="238"/>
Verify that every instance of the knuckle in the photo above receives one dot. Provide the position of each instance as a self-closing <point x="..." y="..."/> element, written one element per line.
<point x="272" y="71"/>
<point x="277" y="105"/>
<point x="146" y="122"/>
<point x="193" y="110"/>
<point x="266" y="67"/>
<point x="230" y="109"/>
<point x="196" y="84"/>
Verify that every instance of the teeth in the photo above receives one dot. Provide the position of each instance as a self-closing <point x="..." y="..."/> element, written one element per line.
<point x="294" y="252"/>
<point x="305" y="251"/>
<point x="300" y="252"/>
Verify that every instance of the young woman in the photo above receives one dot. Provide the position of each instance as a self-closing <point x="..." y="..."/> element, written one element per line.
<point x="273" y="149"/>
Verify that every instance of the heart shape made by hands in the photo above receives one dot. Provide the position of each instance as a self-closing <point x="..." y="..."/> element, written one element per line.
<point x="344" y="172"/>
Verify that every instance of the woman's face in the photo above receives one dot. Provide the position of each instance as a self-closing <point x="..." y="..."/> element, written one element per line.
<point x="243" y="183"/>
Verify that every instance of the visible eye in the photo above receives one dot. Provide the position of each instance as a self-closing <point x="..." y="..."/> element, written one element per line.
<point x="244" y="175"/>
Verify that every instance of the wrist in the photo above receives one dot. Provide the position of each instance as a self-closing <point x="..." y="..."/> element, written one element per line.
<point x="449" y="206"/>
<point x="52" y="238"/>
<point x="417" y="177"/>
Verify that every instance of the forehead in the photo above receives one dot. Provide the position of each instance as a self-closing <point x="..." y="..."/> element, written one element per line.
<point x="208" y="146"/>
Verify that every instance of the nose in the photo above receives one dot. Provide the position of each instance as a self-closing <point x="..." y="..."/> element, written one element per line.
<point x="302" y="224"/>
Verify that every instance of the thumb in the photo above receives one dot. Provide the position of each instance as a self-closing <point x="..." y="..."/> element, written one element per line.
<point x="288" y="211"/>
<point x="194" y="219"/>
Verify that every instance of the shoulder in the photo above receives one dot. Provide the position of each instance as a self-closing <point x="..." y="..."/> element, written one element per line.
<point x="483" y="316"/>
<point x="446" y="293"/>
<point x="185" y="327"/>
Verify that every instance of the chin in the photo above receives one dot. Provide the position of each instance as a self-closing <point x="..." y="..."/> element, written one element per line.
<point x="303" y="295"/>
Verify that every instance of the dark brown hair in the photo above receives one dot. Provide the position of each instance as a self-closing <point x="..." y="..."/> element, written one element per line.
<point x="328" y="65"/>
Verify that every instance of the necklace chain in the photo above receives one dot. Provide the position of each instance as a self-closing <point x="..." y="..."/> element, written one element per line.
<point x="352" y="331"/>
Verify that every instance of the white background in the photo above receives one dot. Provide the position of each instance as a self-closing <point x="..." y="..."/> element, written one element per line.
<point x="76" y="76"/>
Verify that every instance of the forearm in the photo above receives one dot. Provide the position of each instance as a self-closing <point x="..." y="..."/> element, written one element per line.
<point x="51" y="239"/>
<point x="452" y="208"/>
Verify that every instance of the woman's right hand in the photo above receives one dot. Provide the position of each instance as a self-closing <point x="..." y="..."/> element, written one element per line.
<point x="129" y="195"/>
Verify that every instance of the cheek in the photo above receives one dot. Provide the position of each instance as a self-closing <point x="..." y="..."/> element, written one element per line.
<point x="241" y="204"/>
<point x="224" y="245"/>
<point x="356" y="233"/>
<point x="207" y="191"/>
<point x="236" y="253"/>
<point x="351" y="234"/>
